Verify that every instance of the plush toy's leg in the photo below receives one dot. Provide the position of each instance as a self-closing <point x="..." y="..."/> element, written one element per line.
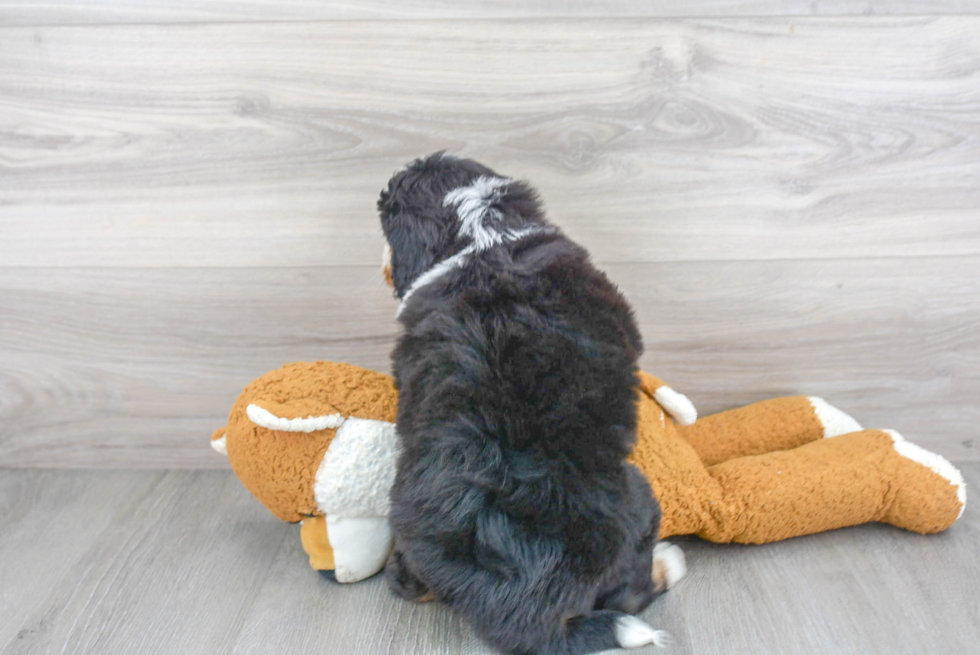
<point x="316" y="543"/>
<point x="354" y="548"/>
<point x="777" y="424"/>
<point x="873" y="475"/>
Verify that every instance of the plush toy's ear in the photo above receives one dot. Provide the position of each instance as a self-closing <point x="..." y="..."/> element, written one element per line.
<point x="219" y="441"/>
<point x="677" y="404"/>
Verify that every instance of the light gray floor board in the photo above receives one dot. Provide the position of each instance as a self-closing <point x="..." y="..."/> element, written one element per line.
<point x="136" y="367"/>
<point x="159" y="562"/>
<point x="165" y="562"/>
<point x="266" y="144"/>
<point x="64" y="12"/>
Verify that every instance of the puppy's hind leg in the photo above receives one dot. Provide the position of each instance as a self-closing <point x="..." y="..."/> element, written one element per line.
<point x="669" y="566"/>
<point x="637" y="583"/>
<point x="604" y="629"/>
<point x="403" y="582"/>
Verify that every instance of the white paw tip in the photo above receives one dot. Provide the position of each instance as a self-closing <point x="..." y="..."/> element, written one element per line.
<point x="631" y="632"/>
<point x="677" y="405"/>
<point x="672" y="559"/>
<point x="834" y="421"/>
<point x="936" y="463"/>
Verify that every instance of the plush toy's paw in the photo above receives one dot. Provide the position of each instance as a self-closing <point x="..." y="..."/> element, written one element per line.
<point x="677" y="405"/>
<point x="669" y="566"/>
<point x="834" y="421"/>
<point x="929" y="493"/>
<point x="361" y="545"/>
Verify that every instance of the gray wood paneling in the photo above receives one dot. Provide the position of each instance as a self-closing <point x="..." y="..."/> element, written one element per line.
<point x="790" y="203"/>
<point x="111" y="367"/>
<point x="80" y="12"/>
<point x="651" y="140"/>
<point x="132" y="562"/>
<point x="136" y="367"/>
<point x="894" y="342"/>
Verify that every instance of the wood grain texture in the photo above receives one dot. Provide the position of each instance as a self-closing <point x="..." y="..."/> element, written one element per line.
<point x="188" y="562"/>
<point x="110" y="367"/>
<point x="136" y="367"/>
<point x="790" y="203"/>
<point x="138" y="562"/>
<point x="86" y="12"/>
<point x="893" y="342"/>
<point x="651" y="140"/>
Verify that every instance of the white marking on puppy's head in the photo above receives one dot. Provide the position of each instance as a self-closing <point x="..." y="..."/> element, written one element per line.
<point x="474" y="206"/>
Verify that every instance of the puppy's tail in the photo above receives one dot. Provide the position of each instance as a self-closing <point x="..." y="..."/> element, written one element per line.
<point x="605" y="630"/>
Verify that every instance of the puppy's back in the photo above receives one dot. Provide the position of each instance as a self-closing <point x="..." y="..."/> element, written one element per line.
<point x="517" y="413"/>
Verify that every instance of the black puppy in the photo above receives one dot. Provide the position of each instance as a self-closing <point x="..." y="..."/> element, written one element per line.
<point x="513" y="502"/>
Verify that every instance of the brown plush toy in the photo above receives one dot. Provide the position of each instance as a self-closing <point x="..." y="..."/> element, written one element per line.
<point x="315" y="442"/>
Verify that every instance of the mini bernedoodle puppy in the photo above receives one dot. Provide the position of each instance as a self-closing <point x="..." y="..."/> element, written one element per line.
<point x="513" y="501"/>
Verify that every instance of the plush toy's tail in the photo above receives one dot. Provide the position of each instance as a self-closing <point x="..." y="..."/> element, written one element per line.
<point x="218" y="441"/>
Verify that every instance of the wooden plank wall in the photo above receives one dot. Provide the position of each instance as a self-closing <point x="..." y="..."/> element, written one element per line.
<point x="788" y="192"/>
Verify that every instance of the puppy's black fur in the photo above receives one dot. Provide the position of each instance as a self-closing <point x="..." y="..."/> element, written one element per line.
<point x="513" y="502"/>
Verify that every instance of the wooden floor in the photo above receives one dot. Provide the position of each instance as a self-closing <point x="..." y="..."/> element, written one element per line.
<point x="186" y="562"/>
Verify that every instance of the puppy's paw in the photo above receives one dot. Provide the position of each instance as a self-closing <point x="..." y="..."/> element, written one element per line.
<point x="669" y="566"/>
<point x="631" y="632"/>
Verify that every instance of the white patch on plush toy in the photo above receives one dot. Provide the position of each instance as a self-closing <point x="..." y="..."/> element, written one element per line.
<point x="677" y="405"/>
<point x="361" y="545"/>
<point x="936" y="463"/>
<point x="358" y="469"/>
<point x="267" y="419"/>
<point x="631" y="632"/>
<point x="834" y="421"/>
<point x="221" y="445"/>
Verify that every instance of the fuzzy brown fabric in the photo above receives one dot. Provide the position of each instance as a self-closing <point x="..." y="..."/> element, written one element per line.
<point x="754" y="474"/>
<point x="279" y="467"/>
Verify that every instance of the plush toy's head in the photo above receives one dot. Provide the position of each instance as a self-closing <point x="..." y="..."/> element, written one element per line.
<point x="283" y="423"/>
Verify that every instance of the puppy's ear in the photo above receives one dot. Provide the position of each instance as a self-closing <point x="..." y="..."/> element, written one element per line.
<point x="411" y="244"/>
